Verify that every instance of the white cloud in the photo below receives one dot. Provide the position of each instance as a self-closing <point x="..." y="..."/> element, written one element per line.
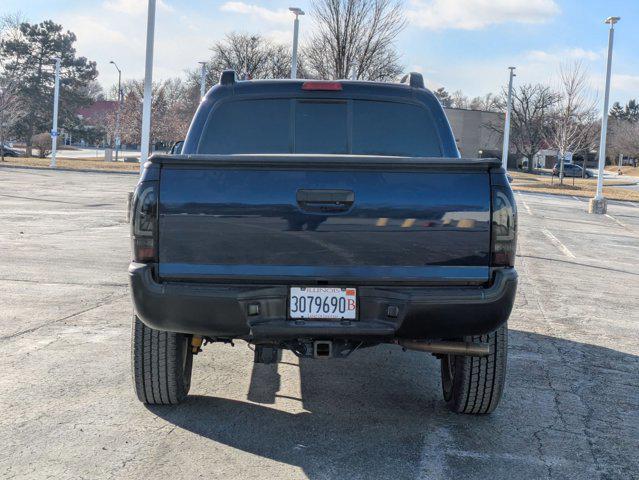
<point x="133" y="7"/>
<point x="280" y="36"/>
<point x="558" y="56"/>
<point x="275" y="16"/>
<point x="94" y="33"/>
<point x="625" y="83"/>
<point x="478" y="14"/>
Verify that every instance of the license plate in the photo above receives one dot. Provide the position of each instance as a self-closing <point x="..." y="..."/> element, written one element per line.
<point x="323" y="302"/>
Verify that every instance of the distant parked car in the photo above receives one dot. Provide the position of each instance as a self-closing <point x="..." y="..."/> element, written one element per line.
<point x="571" y="170"/>
<point x="9" y="152"/>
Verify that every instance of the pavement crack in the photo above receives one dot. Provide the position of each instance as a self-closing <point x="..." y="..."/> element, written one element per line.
<point x="79" y="284"/>
<point x="67" y="317"/>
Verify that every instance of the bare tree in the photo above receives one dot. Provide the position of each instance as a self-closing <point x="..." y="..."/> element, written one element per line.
<point x="174" y="103"/>
<point x="251" y="56"/>
<point x="530" y="121"/>
<point x="459" y="100"/>
<point x="623" y="138"/>
<point x="487" y="103"/>
<point x="11" y="107"/>
<point x="355" y="36"/>
<point x="573" y="126"/>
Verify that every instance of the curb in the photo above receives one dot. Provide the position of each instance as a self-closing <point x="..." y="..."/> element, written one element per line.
<point x="62" y="169"/>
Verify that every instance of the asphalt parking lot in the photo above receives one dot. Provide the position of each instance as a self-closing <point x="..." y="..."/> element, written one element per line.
<point x="570" y="409"/>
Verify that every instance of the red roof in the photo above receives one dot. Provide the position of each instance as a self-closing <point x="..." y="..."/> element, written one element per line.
<point x="98" y="110"/>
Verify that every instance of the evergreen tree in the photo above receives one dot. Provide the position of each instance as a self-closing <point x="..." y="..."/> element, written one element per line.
<point x="444" y="97"/>
<point x="617" y="111"/>
<point x="31" y="56"/>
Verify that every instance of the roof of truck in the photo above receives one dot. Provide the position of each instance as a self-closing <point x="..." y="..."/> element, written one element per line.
<point x="410" y="85"/>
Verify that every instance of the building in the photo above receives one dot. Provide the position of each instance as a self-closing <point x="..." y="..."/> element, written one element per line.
<point x="94" y="121"/>
<point x="473" y="132"/>
<point x="95" y="114"/>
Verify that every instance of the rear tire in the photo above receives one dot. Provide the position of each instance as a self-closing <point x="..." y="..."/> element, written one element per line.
<point x="475" y="384"/>
<point x="162" y="364"/>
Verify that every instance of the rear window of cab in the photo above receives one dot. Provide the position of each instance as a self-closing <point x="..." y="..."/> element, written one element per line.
<point x="360" y="127"/>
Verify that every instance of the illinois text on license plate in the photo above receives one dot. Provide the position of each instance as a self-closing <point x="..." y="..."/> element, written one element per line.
<point x="323" y="302"/>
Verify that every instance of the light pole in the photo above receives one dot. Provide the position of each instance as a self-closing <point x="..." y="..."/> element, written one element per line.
<point x="202" y="79"/>
<point x="117" y="112"/>
<point x="598" y="204"/>
<point x="148" y="79"/>
<point x="56" y="98"/>
<point x="509" y="102"/>
<point x="296" y="27"/>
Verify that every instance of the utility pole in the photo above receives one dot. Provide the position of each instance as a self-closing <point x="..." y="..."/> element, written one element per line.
<point x="598" y="204"/>
<point x="202" y="79"/>
<point x="506" y="145"/>
<point x="117" y="112"/>
<point x="56" y="98"/>
<point x="148" y="80"/>
<point x="296" y="27"/>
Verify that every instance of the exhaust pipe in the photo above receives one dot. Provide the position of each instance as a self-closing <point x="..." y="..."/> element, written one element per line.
<point x="447" y="348"/>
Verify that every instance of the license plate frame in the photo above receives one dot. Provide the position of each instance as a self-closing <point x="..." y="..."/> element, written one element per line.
<point x="323" y="291"/>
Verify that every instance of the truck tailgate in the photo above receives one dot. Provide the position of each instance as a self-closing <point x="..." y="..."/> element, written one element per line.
<point x="324" y="219"/>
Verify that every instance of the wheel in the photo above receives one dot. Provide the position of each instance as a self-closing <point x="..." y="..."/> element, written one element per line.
<point x="475" y="384"/>
<point x="162" y="363"/>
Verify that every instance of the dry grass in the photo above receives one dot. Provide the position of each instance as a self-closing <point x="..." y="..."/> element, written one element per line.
<point x="630" y="171"/>
<point x="527" y="182"/>
<point x="74" y="164"/>
<point x="522" y="178"/>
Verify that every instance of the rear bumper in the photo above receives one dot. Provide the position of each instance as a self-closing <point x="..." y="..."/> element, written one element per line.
<point x="221" y="310"/>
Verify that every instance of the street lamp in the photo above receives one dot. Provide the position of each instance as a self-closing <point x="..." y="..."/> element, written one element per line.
<point x="296" y="27"/>
<point x="148" y="78"/>
<point x="504" y="152"/>
<point x="117" y="113"/>
<point x="598" y="204"/>
<point x="202" y="79"/>
<point x="56" y="98"/>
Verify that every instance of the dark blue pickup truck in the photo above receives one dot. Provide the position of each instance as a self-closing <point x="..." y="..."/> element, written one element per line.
<point x="323" y="217"/>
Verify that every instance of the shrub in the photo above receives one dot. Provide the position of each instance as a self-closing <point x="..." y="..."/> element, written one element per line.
<point x="42" y="141"/>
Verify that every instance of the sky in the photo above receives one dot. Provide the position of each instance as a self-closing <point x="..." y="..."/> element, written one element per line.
<point x="463" y="45"/>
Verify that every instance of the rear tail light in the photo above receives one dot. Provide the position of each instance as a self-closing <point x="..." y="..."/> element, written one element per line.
<point x="144" y="223"/>
<point x="327" y="86"/>
<point x="504" y="227"/>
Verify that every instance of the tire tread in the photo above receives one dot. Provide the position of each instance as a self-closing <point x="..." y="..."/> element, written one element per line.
<point x="479" y="381"/>
<point x="158" y="375"/>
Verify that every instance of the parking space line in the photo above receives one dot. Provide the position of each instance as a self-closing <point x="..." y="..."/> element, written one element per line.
<point x="557" y="243"/>
<point x="523" y="202"/>
<point x="616" y="221"/>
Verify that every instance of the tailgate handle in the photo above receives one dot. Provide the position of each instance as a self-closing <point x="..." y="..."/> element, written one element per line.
<point x="325" y="201"/>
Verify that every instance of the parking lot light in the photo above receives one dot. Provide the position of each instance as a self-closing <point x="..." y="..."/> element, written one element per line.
<point x="56" y="99"/>
<point x="117" y="113"/>
<point x="202" y="79"/>
<point x="504" y="154"/>
<point x="598" y="204"/>
<point x="296" y="27"/>
<point x="148" y="79"/>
